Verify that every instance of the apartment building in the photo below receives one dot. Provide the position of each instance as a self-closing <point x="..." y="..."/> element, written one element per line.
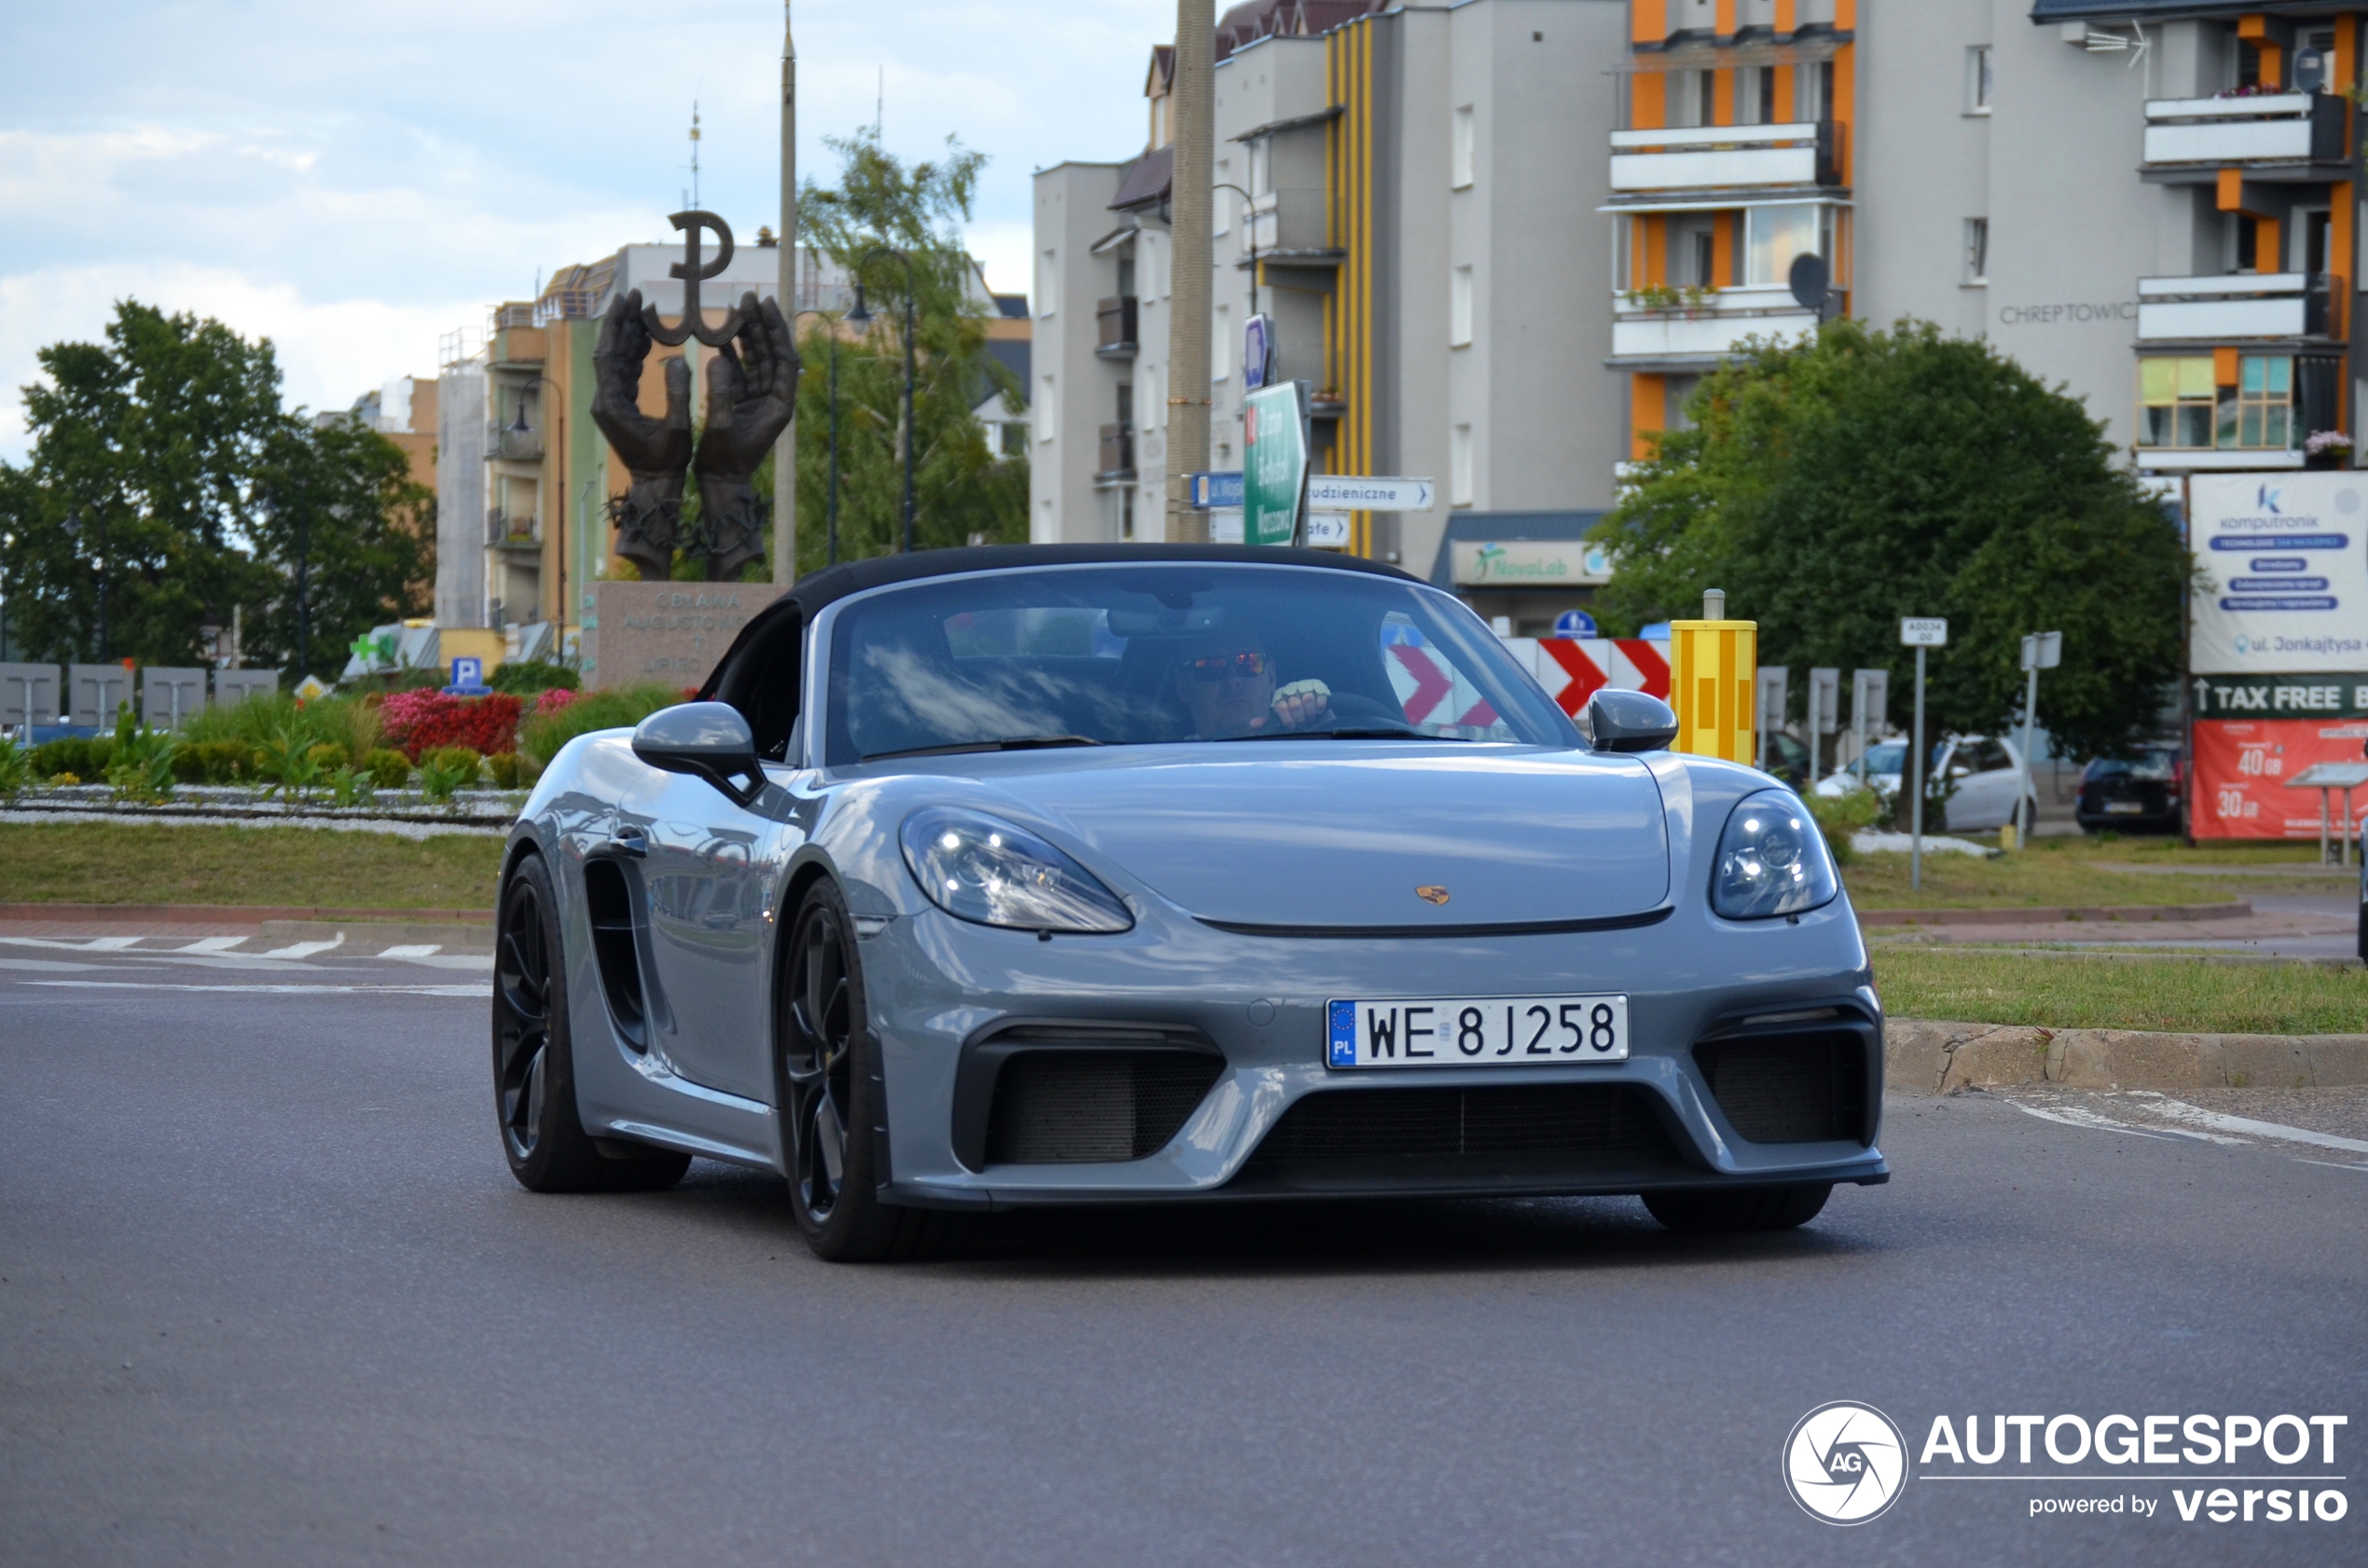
<point x="2150" y="203"/>
<point x="1398" y="195"/>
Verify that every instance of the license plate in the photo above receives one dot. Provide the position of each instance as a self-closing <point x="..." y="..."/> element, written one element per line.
<point x="2124" y="808"/>
<point x="1477" y="1032"/>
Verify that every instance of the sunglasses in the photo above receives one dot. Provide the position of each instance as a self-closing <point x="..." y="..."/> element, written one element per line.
<point x="1217" y="667"/>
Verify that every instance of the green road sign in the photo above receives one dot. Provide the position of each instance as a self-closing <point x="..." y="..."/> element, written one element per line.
<point x="1274" y="463"/>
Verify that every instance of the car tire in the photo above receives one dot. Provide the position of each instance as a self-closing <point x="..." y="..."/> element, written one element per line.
<point x="830" y="1091"/>
<point x="1739" y="1208"/>
<point x="542" y="1135"/>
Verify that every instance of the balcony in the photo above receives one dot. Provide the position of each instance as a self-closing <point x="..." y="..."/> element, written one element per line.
<point x="1117" y="462"/>
<point x="2193" y="139"/>
<point x="509" y="443"/>
<point x="1701" y="332"/>
<point x="2237" y="307"/>
<point x="1114" y="327"/>
<point x="1726" y="157"/>
<point x="507" y="530"/>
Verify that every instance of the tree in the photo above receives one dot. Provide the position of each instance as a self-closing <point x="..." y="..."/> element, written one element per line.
<point x="346" y="535"/>
<point x="1834" y="486"/>
<point x="960" y="487"/>
<point x="123" y="532"/>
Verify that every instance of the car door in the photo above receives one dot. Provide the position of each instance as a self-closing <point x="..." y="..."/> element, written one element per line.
<point x="1985" y="776"/>
<point x="706" y="866"/>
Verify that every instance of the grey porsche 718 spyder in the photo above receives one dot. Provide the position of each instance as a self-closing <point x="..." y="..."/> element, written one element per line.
<point x="1077" y="874"/>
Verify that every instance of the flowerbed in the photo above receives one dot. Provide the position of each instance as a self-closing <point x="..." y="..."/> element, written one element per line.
<point x="421" y="720"/>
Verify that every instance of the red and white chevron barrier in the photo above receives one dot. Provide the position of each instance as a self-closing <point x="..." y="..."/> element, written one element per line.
<point x="1572" y="669"/>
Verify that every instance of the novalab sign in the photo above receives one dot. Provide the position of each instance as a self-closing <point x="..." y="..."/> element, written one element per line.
<point x="2282" y="564"/>
<point x="1530" y="563"/>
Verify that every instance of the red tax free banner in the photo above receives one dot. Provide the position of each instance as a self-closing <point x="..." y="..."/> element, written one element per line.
<point x="2242" y="766"/>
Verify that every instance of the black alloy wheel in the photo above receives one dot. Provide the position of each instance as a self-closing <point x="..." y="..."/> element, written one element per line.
<point x="1739" y="1208"/>
<point x="828" y="1092"/>
<point x="543" y="1136"/>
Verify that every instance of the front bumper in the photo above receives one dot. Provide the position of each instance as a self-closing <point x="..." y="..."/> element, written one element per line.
<point x="942" y="990"/>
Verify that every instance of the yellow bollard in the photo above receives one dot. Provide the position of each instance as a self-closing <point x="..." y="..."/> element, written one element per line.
<point x="1712" y="671"/>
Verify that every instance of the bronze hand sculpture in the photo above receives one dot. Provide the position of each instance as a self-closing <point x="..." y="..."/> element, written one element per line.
<point x="752" y="395"/>
<point x="654" y="451"/>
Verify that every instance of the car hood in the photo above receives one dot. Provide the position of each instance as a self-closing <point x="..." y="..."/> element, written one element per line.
<point x="1279" y="833"/>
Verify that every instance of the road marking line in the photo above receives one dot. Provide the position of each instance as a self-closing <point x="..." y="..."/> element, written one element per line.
<point x="210" y="944"/>
<point x="473" y="991"/>
<point x="2180" y="1110"/>
<point x="303" y="949"/>
<point x="412" y="950"/>
<point x="2331" y="1164"/>
<point x="2088" y="1120"/>
<point x="95" y="944"/>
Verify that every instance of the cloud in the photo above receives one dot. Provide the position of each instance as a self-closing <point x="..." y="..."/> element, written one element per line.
<point x="355" y="181"/>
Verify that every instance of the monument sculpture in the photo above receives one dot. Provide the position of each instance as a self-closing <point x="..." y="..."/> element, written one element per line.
<point x="751" y="395"/>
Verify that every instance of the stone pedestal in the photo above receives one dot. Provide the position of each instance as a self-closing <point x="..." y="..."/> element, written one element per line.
<point x="668" y="633"/>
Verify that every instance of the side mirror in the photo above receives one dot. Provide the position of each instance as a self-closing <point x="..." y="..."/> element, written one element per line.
<point x="1618" y="721"/>
<point x="708" y="740"/>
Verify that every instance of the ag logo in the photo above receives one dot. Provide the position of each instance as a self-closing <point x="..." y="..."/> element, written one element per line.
<point x="1845" y="1463"/>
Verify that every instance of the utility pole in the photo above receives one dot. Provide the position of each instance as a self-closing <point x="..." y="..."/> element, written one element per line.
<point x="785" y="444"/>
<point x="1188" y="281"/>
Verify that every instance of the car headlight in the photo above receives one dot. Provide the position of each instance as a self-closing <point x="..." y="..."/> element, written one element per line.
<point x="1771" y="859"/>
<point x="981" y="868"/>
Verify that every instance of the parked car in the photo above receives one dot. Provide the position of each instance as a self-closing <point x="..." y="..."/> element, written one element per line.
<point x="2143" y="789"/>
<point x="1987" y="773"/>
<point x="1787" y="759"/>
<point x="1071" y="874"/>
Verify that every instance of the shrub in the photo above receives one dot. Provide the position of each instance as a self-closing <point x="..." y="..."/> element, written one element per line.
<point x="527" y="677"/>
<point x="350" y="724"/>
<point x="388" y="770"/>
<point x="554" y="699"/>
<point x="418" y="722"/>
<point x="511" y="771"/>
<point x="83" y="756"/>
<point x="1839" y="817"/>
<point x="63" y="779"/>
<point x="326" y="756"/>
<point x="464" y="758"/>
<point x="543" y="735"/>
<point x="213" y="762"/>
<point x="15" y="765"/>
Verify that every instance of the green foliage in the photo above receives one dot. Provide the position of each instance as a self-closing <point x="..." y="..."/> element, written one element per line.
<point x="960" y="487"/>
<point x="388" y="770"/>
<point x="286" y="761"/>
<point x="84" y="757"/>
<point x="132" y="511"/>
<point x="15" y="765"/>
<point x="446" y="769"/>
<point x="349" y="786"/>
<point x="467" y="760"/>
<point x="140" y="768"/>
<point x="512" y="771"/>
<point x="542" y="736"/>
<point x="166" y="485"/>
<point x="527" y="678"/>
<point x="1835" y="486"/>
<point x="1839" y="816"/>
<point x="213" y="762"/>
<point x="348" y="724"/>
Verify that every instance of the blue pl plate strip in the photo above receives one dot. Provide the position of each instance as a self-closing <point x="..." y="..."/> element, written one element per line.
<point x="1343" y="1018"/>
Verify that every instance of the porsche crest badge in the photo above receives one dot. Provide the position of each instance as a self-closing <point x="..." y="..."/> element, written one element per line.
<point x="1431" y="893"/>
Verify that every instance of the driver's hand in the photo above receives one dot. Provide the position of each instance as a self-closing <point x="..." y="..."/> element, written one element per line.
<point x="1301" y="703"/>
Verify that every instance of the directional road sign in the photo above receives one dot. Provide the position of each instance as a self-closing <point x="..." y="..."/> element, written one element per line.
<point x="1219" y="489"/>
<point x="1358" y="492"/>
<point x="1575" y="623"/>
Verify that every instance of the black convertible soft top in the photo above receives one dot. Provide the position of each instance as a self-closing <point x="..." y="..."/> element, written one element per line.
<point x="768" y="644"/>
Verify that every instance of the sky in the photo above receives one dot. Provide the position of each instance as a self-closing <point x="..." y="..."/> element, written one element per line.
<point x="356" y="182"/>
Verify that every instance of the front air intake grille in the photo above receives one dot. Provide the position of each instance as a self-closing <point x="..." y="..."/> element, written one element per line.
<point x="1058" y="1106"/>
<point x="1795" y="1088"/>
<point x="1463" y="1132"/>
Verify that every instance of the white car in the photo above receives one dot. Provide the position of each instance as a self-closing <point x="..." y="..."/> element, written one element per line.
<point x="1986" y="771"/>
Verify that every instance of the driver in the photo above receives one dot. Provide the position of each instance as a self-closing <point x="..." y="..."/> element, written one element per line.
<point x="1227" y="683"/>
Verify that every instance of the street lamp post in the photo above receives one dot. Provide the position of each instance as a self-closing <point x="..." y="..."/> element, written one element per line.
<point x="831" y="503"/>
<point x="862" y="317"/>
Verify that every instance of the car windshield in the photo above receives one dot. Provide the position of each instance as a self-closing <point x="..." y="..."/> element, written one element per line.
<point x="1889" y="757"/>
<point x="1160" y="652"/>
<point x="2155" y="765"/>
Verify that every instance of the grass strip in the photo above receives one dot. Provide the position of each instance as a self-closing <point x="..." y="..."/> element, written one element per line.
<point x="2122" y="993"/>
<point x="116" y="862"/>
<point x="2062" y="871"/>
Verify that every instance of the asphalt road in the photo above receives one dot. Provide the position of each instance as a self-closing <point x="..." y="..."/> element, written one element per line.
<point x="269" y="1296"/>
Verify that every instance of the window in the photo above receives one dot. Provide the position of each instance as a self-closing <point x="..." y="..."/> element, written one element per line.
<point x="1126" y="276"/>
<point x="1126" y="402"/>
<point x="1977" y="250"/>
<point x="2180" y="407"/>
<point x="1763" y="95"/>
<point x="2310" y="236"/>
<point x="1775" y="236"/>
<point x="1978" y="79"/>
<point x="1014" y="438"/>
<point x="1459" y="466"/>
<point x="1047" y="418"/>
<point x="1459" y="308"/>
<point x="1048" y="282"/>
<point x="1462" y="154"/>
<point x="1812" y="91"/>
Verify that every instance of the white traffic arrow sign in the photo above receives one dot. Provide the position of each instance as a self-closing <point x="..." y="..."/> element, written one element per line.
<point x="1357" y="492"/>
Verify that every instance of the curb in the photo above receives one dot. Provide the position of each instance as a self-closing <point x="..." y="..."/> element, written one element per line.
<point x="1932" y="1058"/>
<point x="231" y="914"/>
<point x="2232" y="910"/>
